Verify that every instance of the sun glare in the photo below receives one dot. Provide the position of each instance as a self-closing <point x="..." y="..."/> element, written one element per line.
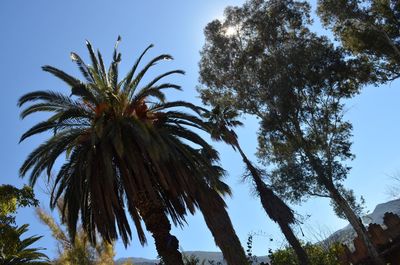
<point x="230" y="31"/>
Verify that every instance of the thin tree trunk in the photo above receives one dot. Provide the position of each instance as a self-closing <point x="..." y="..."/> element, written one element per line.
<point x="217" y="219"/>
<point x="158" y="224"/>
<point x="268" y="198"/>
<point x="356" y="223"/>
<point x="353" y="219"/>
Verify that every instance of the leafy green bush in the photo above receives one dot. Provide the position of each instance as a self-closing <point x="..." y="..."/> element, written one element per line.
<point x="317" y="254"/>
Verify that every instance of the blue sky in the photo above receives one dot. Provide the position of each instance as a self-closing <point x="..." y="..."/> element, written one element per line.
<point x="36" y="33"/>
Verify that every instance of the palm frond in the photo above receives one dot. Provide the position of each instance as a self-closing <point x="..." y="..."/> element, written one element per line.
<point x="102" y="66"/>
<point x="21" y="253"/>
<point x="131" y="87"/>
<point x="84" y="92"/>
<point x="82" y="67"/>
<point x="178" y="104"/>
<point x="48" y="96"/>
<point x="158" y="78"/>
<point x="93" y="58"/>
<point x="130" y="74"/>
<point x="38" y="128"/>
<point x="70" y="80"/>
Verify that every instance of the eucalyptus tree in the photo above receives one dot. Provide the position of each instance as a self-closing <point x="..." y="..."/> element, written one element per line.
<point x="12" y="198"/>
<point x="263" y="60"/>
<point x="370" y="29"/>
<point x="128" y="150"/>
<point x="222" y="120"/>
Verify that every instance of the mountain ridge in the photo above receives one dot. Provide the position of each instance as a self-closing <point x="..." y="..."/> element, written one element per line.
<point x="347" y="233"/>
<point x="201" y="255"/>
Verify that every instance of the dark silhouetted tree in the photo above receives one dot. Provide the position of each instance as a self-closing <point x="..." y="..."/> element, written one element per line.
<point x="222" y="120"/>
<point x="370" y="29"/>
<point x="264" y="61"/>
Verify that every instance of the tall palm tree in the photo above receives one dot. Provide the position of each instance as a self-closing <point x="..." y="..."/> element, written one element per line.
<point x="126" y="148"/>
<point x="221" y="121"/>
<point x="16" y="251"/>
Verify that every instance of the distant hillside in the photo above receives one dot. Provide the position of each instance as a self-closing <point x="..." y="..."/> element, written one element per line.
<point x="202" y="255"/>
<point x="344" y="235"/>
<point x="347" y="234"/>
<point x="137" y="261"/>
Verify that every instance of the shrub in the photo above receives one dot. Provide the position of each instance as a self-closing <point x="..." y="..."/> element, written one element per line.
<point x="317" y="254"/>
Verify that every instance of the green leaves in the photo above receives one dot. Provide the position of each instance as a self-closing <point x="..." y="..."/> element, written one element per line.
<point x="70" y="80"/>
<point x="12" y="198"/>
<point x="221" y="121"/>
<point x="129" y="76"/>
<point x="318" y="255"/>
<point x="369" y="29"/>
<point x="13" y="249"/>
<point x="16" y="251"/>
<point x="291" y="79"/>
<point x="84" y="92"/>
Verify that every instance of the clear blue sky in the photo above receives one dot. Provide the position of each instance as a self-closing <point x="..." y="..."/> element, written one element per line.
<point x="35" y="33"/>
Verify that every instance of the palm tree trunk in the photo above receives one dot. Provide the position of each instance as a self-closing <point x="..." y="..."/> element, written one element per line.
<point x="217" y="219"/>
<point x="355" y="222"/>
<point x="158" y="224"/>
<point x="294" y="242"/>
<point x="276" y="209"/>
<point x="268" y="200"/>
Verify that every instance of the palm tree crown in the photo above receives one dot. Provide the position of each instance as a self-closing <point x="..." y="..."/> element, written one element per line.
<point x="221" y="121"/>
<point x="125" y="147"/>
<point x="17" y="251"/>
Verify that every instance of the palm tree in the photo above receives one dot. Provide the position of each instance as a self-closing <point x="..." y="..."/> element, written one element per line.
<point x="16" y="251"/>
<point x="221" y="121"/>
<point x="127" y="149"/>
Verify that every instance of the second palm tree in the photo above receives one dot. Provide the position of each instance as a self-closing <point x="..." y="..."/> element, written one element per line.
<point x="221" y="122"/>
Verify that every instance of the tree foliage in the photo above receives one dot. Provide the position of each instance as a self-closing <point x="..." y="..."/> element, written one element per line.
<point x="11" y="198"/>
<point x="17" y="251"/>
<point x="296" y="83"/>
<point x="393" y="190"/>
<point x="13" y="249"/>
<point x="77" y="251"/>
<point x="370" y="29"/>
